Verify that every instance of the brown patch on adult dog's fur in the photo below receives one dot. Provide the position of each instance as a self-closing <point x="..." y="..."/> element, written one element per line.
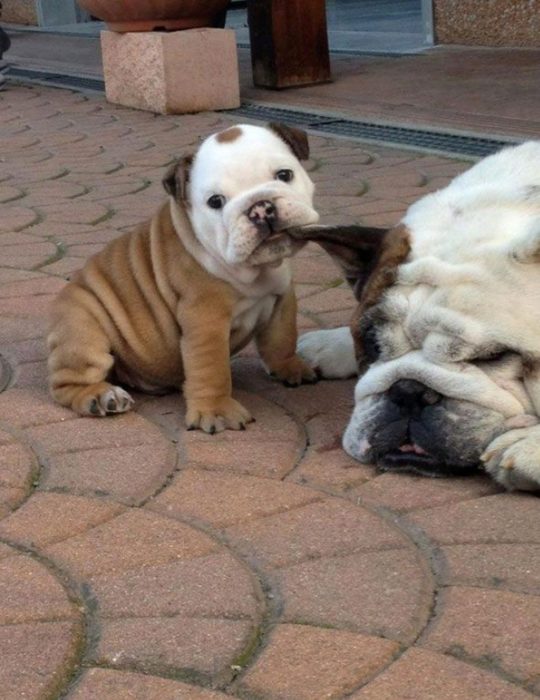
<point x="229" y="134"/>
<point x="394" y="249"/>
<point x="369" y="257"/>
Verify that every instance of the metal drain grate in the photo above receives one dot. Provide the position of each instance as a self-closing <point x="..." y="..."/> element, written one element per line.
<point x="74" y="82"/>
<point x="448" y="143"/>
<point x="454" y="144"/>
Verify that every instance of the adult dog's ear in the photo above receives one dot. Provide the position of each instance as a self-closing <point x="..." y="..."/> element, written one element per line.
<point x="176" y="178"/>
<point x="296" y="139"/>
<point x="368" y="256"/>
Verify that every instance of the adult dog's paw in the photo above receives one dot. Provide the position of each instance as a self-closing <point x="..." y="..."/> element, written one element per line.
<point x="294" y="372"/>
<point x="216" y="415"/>
<point x="329" y="352"/>
<point x="513" y="459"/>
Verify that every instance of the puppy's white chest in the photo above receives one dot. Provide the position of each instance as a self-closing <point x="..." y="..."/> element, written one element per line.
<point x="251" y="312"/>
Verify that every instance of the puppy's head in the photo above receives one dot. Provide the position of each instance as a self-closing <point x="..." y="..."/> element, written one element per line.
<point x="243" y="189"/>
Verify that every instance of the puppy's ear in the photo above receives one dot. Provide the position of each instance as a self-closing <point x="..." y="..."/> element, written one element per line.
<point x="296" y="139"/>
<point x="365" y="254"/>
<point x="177" y="177"/>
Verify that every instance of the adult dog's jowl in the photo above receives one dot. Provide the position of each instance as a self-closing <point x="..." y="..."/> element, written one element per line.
<point x="447" y="332"/>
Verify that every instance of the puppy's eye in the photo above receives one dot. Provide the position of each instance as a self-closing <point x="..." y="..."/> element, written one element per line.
<point x="284" y="175"/>
<point x="216" y="201"/>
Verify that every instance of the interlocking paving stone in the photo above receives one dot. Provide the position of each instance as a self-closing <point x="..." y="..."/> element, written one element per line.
<point x="387" y="593"/>
<point x="223" y="499"/>
<point x="127" y="474"/>
<point x="87" y="433"/>
<point x="304" y="663"/>
<point x="404" y="492"/>
<point x="506" y="517"/>
<point x="132" y="540"/>
<point x="327" y="528"/>
<point x="49" y="517"/>
<point x="125" y="685"/>
<point x="30" y="406"/>
<point x="424" y="675"/>
<point x="207" y="646"/>
<point x="211" y="586"/>
<point x="37" y="658"/>
<point x="499" y="628"/>
<point x="30" y="593"/>
<point x="514" y="566"/>
<point x="17" y="464"/>
<point x="270" y="459"/>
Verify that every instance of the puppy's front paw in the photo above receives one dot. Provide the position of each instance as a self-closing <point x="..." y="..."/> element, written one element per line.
<point x="215" y="415"/>
<point x="330" y="352"/>
<point x="513" y="459"/>
<point x="102" y="400"/>
<point x="294" y="372"/>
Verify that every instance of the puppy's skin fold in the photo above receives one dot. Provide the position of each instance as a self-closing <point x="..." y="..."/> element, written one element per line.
<point x="146" y="312"/>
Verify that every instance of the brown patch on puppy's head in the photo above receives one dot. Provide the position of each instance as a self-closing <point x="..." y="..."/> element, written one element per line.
<point x="176" y="178"/>
<point x="231" y="134"/>
<point x="296" y="139"/>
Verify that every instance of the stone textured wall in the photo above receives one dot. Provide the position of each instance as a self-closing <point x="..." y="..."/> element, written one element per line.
<point x="19" y="11"/>
<point x="487" y="22"/>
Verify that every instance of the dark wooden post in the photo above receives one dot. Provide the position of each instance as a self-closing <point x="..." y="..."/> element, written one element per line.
<point x="289" y="42"/>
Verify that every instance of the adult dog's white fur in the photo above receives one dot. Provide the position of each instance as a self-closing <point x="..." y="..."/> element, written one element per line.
<point x="463" y="319"/>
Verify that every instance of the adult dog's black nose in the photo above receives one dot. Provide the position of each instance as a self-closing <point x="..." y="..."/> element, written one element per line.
<point x="412" y="396"/>
<point x="263" y="213"/>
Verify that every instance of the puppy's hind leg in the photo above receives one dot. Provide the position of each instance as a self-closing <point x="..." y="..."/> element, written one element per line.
<point x="80" y="361"/>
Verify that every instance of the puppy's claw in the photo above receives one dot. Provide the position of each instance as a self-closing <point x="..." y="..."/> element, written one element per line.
<point x="215" y="416"/>
<point x="111" y="405"/>
<point x="94" y="408"/>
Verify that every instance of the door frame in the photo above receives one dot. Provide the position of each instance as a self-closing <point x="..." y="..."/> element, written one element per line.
<point x="427" y="21"/>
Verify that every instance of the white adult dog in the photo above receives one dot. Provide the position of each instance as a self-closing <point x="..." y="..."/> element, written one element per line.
<point x="447" y="332"/>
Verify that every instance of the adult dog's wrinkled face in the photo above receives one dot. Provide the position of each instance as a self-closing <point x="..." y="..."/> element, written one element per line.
<point x="447" y="332"/>
<point x="243" y="189"/>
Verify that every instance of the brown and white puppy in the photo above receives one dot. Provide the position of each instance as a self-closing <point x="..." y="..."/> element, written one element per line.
<point x="167" y="304"/>
<point x="446" y="335"/>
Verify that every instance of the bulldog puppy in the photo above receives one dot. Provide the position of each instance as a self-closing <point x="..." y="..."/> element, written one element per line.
<point x="447" y="332"/>
<point x="166" y="305"/>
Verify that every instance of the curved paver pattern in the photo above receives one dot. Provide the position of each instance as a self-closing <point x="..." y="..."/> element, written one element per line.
<point x="138" y="560"/>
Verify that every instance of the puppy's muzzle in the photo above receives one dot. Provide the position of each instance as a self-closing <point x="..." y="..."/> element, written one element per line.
<point x="263" y="215"/>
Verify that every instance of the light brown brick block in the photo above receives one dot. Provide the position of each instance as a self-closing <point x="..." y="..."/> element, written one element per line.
<point x="172" y="73"/>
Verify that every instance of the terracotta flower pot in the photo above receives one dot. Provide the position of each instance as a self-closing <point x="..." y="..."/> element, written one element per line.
<point x="146" y="15"/>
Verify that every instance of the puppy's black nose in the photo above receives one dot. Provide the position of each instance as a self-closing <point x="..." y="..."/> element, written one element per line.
<point x="412" y="396"/>
<point x="262" y="213"/>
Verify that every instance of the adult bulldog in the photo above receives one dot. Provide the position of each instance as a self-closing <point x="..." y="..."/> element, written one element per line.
<point x="167" y="304"/>
<point x="447" y="331"/>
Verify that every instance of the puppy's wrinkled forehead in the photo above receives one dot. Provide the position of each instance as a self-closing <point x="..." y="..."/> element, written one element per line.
<point x="239" y="158"/>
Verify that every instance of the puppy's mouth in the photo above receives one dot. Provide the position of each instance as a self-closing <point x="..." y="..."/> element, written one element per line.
<point x="273" y="248"/>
